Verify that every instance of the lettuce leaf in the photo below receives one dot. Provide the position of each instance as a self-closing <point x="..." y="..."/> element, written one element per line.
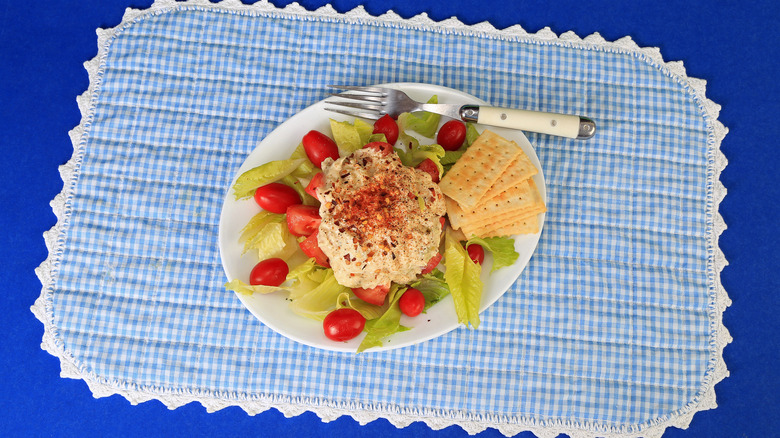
<point x="306" y="169"/>
<point x="369" y="311"/>
<point x="254" y="231"/>
<point x="433" y="287"/>
<point x="503" y="249"/>
<point x="422" y="122"/>
<point x="463" y="278"/>
<point x="416" y="153"/>
<point x="296" y="184"/>
<point x="320" y="300"/>
<point x="248" y="289"/>
<point x="272" y="171"/>
<point x="471" y="134"/>
<point x="350" y="136"/>
<point x="387" y="324"/>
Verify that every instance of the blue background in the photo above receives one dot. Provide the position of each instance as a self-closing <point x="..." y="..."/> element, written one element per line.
<point x="43" y="45"/>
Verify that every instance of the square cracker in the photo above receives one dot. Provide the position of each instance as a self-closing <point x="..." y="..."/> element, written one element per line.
<point x="529" y="225"/>
<point x="478" y="169"/>
<point x="523" y="196"/>
<point x="519" y="170"/>
<point x="509" y="220"/>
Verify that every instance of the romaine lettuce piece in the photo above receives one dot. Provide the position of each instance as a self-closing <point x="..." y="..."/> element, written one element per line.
<point x="272" y="171"/>
<point x="306" y="169"/>
<point x="319" y="301"/>
<point x="503" y="249"/>
<point x="248" y="289"/>
<point x="295" y="183"/>
<point x="433" y="287"/>
<point x="369" y="311"/>
<point x="387" y="324"/>
<point x="422" y="122"/>
<point x="463" y="278"/>
<point x="350" y="136"/>
<point x="471" y="134"/>
<point x="377" y="137"/>
<point x="254" y="231"/>
<point x="417" y="153"/>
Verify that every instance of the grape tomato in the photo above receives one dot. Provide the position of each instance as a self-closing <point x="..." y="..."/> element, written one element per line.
<point x="343" y="324"/>
<point x="269" y="272"/>
<point x="276" y="197"/>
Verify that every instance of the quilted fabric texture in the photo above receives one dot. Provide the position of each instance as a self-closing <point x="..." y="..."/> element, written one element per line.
<point x="610" y="327"/>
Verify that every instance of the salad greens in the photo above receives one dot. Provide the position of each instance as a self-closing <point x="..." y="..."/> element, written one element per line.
<point x="249" y="181"/>
<point x="312" y="290"/>
<point x="421" y="122"/>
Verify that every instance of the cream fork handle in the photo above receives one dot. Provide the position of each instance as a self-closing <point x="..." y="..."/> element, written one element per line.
<point x="546" y="123"/>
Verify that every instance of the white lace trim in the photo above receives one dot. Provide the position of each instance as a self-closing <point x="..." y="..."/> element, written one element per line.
<point x="400" y="417"/>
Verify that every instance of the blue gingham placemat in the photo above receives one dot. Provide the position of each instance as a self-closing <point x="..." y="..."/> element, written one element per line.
<point x="613" y="329"/>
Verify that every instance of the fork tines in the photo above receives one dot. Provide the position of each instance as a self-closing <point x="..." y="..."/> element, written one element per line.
<point x="371" y="100"/>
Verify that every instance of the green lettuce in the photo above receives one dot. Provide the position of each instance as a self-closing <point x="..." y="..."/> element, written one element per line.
<point x="351" y="136"/>
<point x="295" y="183"/>
<point x="502" y="248"/>
<point x="272" y="171"/>
<point x="433" y="287"/>
<point x="320" y="300"/>
<point x="387" y="324"/>
<point x="422" y="122"/>
<point x="463" y="278"/>
<point x="248" y="289"/>
<point x="306" y="169"/>
<point x="471" y="134"/>
<point x="417" y="153"/>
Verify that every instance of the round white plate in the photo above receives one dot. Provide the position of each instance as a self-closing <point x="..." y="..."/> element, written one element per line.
<point x="273" y="310"/>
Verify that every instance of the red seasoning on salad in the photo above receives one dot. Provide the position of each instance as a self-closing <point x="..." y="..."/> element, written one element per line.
<point x="380" y="219"/>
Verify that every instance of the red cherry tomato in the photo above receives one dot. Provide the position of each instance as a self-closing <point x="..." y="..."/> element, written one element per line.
<point x="269" y="272"/>
<point x="432" y="263"/>
<point x="311" y="248"/>
<point x="303" y="220"/>
<point x="451" y="135"/>
<point x="374" y="295"/>
<point x="387" y="126"/>
<point x="343" y="324"/>
<point x="412" y="302"/>
<point x="382" y="147"/>
<point x="276" y="197"/>
<point x="317" y="181"/>
<point x="429" y="167"/>
<point x="476" y="253"/>
<point x="319" y="146"/>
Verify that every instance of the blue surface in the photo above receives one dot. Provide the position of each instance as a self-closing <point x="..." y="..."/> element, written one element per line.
<point x="42" y="53"/>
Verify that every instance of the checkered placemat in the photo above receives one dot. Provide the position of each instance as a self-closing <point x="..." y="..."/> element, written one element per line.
<point x="613" y="329"/>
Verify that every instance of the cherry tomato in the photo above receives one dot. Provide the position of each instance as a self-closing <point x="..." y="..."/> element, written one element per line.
<point x="429" y="167"/>
<point x="303" y="220"/>
<point x="387" y="126"/>
<point x="269" y="272"/>
<point x="412" y="302"/>
<point x="311" y="248"/>
<point x="374" y="295"/>
<point x="317" y="181"/>
<point x="432" y="263"/>
<point x="382" y="147"/>
<point x="476" y="253"/>
<point x="276" y="197"/>
<point x="343" y="324"/>
<point x="319" y="146"/>
<point x="451" y="135"/>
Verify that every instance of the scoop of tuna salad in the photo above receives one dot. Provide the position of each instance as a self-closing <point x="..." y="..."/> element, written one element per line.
<point x="380" y="219"/>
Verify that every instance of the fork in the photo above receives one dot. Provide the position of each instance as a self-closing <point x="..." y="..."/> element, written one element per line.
<point x="374" y="102"/>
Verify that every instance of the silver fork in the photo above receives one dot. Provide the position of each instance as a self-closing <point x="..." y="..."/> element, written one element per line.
<point x="374" y="102"/>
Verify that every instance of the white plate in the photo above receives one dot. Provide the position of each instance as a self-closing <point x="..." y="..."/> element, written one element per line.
<point x="273" y="310"/>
